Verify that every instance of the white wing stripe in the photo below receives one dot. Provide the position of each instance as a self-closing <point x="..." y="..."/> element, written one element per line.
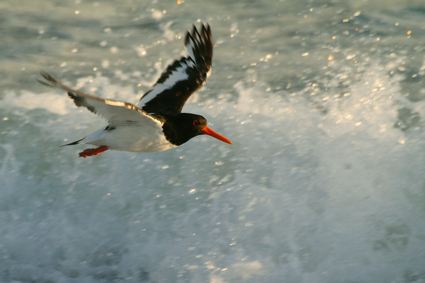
<point x="183" y="76"/>
<point x="111" y="110"/>
<point x="151" y="95"/>
<point x="178" y="75"/>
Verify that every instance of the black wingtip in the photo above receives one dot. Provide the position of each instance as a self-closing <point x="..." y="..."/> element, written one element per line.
<point x="186" y="39"/>
<point x="51" y="81"/>
<point x="195" y="34"/>
<point x="44" y="83"/>
<point x="205" y="30"/>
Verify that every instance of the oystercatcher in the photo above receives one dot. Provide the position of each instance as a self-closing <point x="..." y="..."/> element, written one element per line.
<point x="155" y="123"/>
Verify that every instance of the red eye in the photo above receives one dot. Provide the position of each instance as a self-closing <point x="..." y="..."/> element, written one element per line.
<point x="195" y="122"/>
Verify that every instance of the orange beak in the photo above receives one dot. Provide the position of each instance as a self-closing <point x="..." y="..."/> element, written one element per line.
<point x="210" y="132"/>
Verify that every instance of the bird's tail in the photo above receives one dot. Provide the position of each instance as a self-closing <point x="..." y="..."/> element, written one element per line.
<point x="73" y="143"/>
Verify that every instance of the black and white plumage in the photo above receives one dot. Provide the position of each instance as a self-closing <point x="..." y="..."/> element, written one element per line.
<point x="183" y="77"/>
<point x="156" y="122"/>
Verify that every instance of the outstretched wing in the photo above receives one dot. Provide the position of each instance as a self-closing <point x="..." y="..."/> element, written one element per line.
<point x="183" y="77"/>
<point x="112" y="110"/>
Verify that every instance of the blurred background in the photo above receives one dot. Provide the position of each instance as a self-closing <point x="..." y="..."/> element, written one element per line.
<point x="324" y="182"/>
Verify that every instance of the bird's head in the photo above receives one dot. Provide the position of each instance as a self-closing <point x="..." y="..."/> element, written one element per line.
<point x="192" y="125"/>
<point x="199" y="124"/>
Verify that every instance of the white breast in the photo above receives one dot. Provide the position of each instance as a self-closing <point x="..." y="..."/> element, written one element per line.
<point x="131" y="138"/>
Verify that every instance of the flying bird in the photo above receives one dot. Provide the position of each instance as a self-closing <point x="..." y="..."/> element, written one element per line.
<point x="155" y="123"/>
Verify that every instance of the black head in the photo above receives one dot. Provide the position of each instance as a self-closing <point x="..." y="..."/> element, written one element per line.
<point x="184" y="126"/>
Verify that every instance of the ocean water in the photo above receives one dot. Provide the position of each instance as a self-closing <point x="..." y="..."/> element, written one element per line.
<point x="323" y="101"/>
